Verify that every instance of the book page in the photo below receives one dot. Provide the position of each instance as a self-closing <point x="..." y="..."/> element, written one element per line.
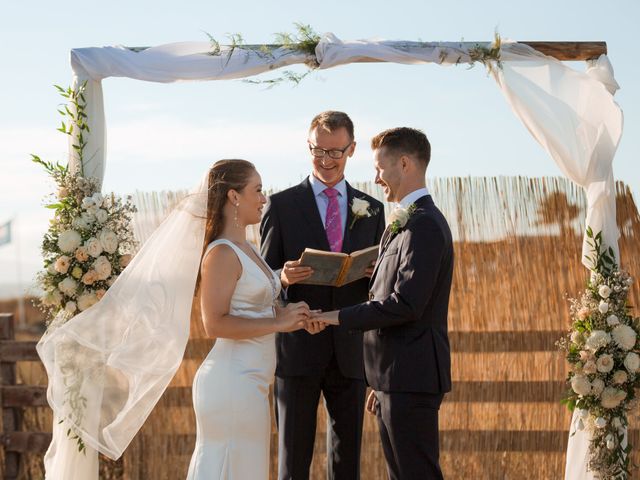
<point x="360" y="260"/>
<point x="326" y="266"/>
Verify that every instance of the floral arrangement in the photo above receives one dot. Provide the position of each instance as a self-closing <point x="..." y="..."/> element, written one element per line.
<point x="604" y="356"/>
<point x="361" y="208"/>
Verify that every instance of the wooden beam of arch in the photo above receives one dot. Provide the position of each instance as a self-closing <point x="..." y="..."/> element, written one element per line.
<point x="564" y="51"/>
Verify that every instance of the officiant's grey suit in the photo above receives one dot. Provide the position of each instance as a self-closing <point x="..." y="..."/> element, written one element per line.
<point x="331" y="361"/>
<point x="406" y="347"/>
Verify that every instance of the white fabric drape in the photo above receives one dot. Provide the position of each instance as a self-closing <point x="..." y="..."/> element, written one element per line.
<point x="571" y="114"/>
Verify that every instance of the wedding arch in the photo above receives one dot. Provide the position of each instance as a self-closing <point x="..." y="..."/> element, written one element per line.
<point x="571" y="114"/>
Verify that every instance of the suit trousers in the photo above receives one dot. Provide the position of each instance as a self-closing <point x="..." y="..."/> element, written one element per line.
<point x="296" y="413"/>
<point x="408" y="424"/>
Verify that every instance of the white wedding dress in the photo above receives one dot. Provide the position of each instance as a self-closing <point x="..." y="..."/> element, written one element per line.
<point x="231" y="387"/>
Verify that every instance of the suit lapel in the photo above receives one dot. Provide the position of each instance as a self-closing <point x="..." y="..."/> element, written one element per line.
<point x="309" y="209"/>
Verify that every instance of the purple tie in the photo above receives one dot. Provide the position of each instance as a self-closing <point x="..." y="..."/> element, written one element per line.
<point x="333" y="221"/>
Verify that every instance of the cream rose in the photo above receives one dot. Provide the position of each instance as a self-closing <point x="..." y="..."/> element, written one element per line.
<point x="100" y="293"/>
<point x="603" y="307"/>
<point x="125" y="259"/>
<point x="590" y="367"/>
<point x="86" y="300"/>
<point x="581" y="385"/>
<point x="102" y="267"/>
<point x="101" y="215"/>
<point x="604" y="291"/>
<point x="69" y="240"/>
<point x="68" y="286"/>
<point x="632" y="362"/>
<point x="108" y="240"/>
<point x="597" y="339"/>
<point x="82" y="255"/>
<point x="611" y="397"/>
<point x="619" y="377"/>
<point x="612" y="320"/>
<point x="62" y="264"/>
<point x="605" y="363"/>
<point x="90" y="277"/>
<point x="597" y="386"/>
<point x="94" y="247"/>
<point x="53" y="298"/>
<point x="71" y="307"/>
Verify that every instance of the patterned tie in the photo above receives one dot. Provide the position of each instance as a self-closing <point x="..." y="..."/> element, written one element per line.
<point x="333" y="220"/>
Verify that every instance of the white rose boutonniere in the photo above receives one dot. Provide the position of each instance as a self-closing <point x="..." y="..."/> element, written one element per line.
<point x="360" y="208"/>
<point x="399" y="217"/>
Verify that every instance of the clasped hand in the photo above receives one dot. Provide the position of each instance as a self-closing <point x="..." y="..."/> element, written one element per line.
<point x="298" y="315"/>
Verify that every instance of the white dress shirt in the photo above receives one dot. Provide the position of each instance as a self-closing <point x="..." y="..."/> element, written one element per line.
<point x="413" y="196"/>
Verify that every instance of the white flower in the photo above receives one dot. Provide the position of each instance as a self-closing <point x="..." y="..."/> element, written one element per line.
<point x="71" y="307"/>
<point x="360" y="207"/>
<point x="399" y="216"/>
<point x="610" y="443"/>
<point x="604" y="291"/>
<point x="585" y="356"/>
<point x="632" y="362"/>
<point x="611" y="397"/>
<point x="577" y="337"/>
<point x="597" y="339"/>
<point x="94" y="247"/>
<point x="62" y="264"/>
<point x="90" y="277"/>
<point x="603" y="307"/>
<point x="624" y="336"/>
<point x="86" y="300"/>
<point x="605" y="363"/>
<point x="69" y="240"/>
<point x="102" y="266"/>
<point x="68" y="286"/>
<point x="612" y="320"/>
<point x="109" y="241"/>
<point x="600" y="422"/>
<point x="619" y="377"/>
<point x="88" y="202"/>
<point x="81" y="254"/>
<point x="101" y="215"/>
<point x="51" y="268"/>
<point x="590" y="367"/>
<point x="97" y="199"/>
<point x="53" y="298"/>
<point x="597" y="386"/>
<point x="581" y="385"/>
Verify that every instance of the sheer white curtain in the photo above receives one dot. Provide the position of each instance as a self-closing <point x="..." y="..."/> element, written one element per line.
<point x="571" y="114"/>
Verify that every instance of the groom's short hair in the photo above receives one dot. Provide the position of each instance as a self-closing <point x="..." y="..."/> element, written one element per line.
<point x="404" y="141"/>
<point x="331" y="121"/>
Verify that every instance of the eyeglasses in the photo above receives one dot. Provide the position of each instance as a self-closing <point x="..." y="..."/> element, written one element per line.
<point x="333" y="153"/>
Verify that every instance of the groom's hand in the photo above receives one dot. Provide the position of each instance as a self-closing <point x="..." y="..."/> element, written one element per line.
<point x="329" y="318"/>
<point x="369" y="271"/>
<point x="292" y="273"/>
<point x="372" y="403"/>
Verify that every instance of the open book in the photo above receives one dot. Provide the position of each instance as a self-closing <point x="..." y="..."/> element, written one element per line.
<point x="336" y="268"/>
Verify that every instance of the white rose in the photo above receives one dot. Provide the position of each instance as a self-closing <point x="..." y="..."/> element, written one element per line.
<point x="400" y="215"/>
<point x="597" y="386"/>
<point x="585" y="356"/>
<point x="62" y="264"/>
<point x="597" y="339"/>
<point x="624" y="336"/>
<point x="600" y="422"/>
<point x="619" y="377"/>
<point x="604" y="291"/>
<point x="590" y="367"/>
<point x="605" y="363"/>
<point x="86" y="300"/>
<point x="610" y="443"/>
<point x="87" y="202"/>
<point x="68" y="286"/>
<point x="94" y="247"/>
<point x="51" y="268"/>
<point x="101" y="215"/>
<point x="611" y="397"/>
<point x="581" y="385"/>
<point x="109" y="241"/>
<point x="632" y="362"/>
<point x="97" y="199"/>
<point x="102" y="266"/>
<point x="69" y="240"/>
<point x="53" y="298"/>
<point x="612" y="320"/>
<point x="71" y="307"/>
<point x="577" y="337"/>
<point x="603" y="307"/>
<point x="360" y="207"/>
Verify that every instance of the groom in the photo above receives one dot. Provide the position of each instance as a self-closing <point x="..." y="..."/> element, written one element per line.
<point x="319" y="213"/>
<point x="406" y="348"/>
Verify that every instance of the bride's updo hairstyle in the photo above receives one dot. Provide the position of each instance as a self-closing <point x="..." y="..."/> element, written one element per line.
<point x="225" y="175"/>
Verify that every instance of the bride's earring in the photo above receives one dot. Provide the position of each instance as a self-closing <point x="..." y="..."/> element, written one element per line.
<point x="235" y="216"/>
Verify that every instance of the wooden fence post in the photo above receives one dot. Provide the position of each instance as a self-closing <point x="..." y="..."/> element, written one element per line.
<point x="11" y="417"/>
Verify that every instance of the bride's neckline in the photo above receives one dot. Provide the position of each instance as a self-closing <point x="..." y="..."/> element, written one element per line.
<point x="265" y="269"/>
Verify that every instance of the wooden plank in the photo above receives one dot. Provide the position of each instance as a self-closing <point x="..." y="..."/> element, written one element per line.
<point x="18" y="351"/>
<point x="24" y="396"/>
<point x="11" y="418"/>
<point x="25" y="442"/>
<point x="505" y="341"/>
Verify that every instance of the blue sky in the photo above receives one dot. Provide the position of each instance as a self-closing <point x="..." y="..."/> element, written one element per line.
<point x="163" y="136"/>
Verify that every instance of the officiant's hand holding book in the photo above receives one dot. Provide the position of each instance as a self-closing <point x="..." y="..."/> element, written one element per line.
<point x="335" y="268"/>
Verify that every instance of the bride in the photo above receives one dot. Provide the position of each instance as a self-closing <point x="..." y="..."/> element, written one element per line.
<point x="109" y="365"/>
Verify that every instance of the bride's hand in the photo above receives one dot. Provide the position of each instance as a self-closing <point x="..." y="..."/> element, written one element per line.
<point x="292" y="317"/>
<point x="312" y="325"/>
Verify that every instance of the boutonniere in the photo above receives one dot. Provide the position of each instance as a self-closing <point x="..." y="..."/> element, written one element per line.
<point x="360" y="208"/>
<point x="399" y="217"/>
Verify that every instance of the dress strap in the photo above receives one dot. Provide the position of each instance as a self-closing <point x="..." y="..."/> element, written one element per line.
<point x="222" y="241"/>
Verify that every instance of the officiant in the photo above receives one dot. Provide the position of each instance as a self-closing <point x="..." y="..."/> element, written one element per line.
<point x="319" y="213"/>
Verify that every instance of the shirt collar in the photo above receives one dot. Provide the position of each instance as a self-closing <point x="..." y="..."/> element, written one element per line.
<point x="318" y="187"/>
<point x="413" y="196"/>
